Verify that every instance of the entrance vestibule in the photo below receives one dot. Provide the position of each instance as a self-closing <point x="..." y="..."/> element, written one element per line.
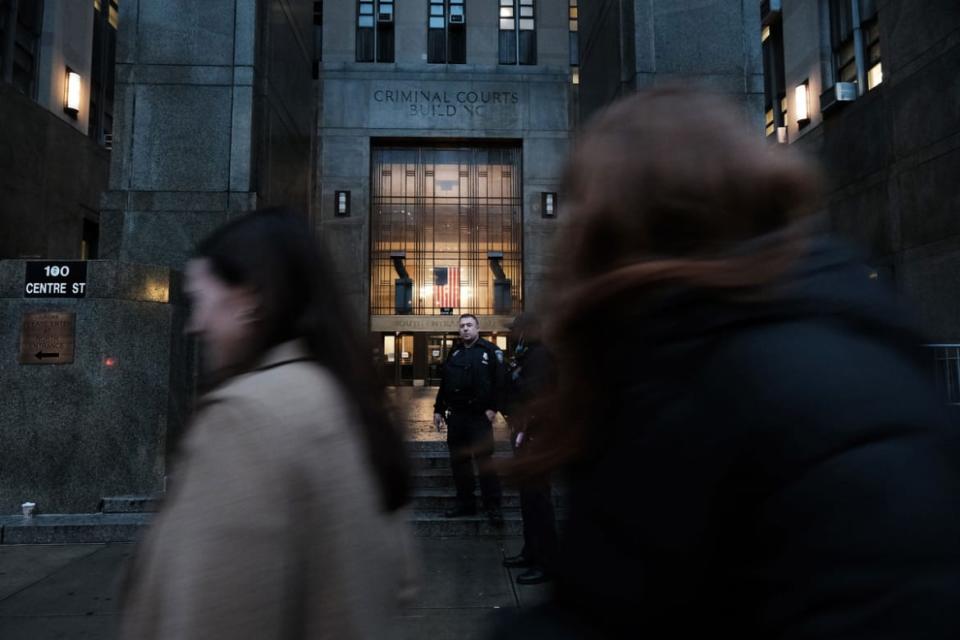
<point x="417" y="358"/>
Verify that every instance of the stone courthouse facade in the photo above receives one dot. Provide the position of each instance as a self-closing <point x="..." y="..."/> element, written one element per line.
<point x="424" y="138"/>
<point x="441" y="130"/>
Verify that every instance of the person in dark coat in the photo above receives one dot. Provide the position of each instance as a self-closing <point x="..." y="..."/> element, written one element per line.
<point x="531" y="378"/>
<point x="469" y="397"/>
<point x="754" y="444"/>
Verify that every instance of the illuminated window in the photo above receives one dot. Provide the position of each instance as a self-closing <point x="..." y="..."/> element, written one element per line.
<point x="447" y="32"/>
<point x="446" y="209"/>
<point x="874" y="76"/>
<point x="518" y="32"/>
<point x="23" y="38"/>
<point x="574" y="19"/>
<point x="841" y="40"/>
<point x="871" y="42"/>
<point x="317" y="37"/>
<point x="90" y="241"/>
<point x="102" y="68"/>
<point x="844" y="25"/>
<point x="375" y="30"/>
<point x="774" y="85"/>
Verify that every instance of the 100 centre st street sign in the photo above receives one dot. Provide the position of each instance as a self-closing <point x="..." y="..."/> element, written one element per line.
<point x="47" y="338"/>
<point x="55" y="279"/>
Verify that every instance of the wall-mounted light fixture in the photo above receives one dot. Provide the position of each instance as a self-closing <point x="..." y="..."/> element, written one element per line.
<point x="71" y="93"/>
<point x="801" y="104"/>
<point x="548" y="204"/>
<point x="341" y="201"/>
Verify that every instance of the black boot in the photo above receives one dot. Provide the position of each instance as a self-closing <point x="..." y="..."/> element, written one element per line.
<point x="517" y="562"/>
<point x="533" y="575"/>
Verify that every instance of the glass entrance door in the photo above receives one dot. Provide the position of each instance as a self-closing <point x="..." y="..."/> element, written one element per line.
<point x="438" y="346"/>
<point x="398" y="358"/>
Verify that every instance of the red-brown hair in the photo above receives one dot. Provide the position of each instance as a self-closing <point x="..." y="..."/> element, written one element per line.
<point x="664" y="189"/>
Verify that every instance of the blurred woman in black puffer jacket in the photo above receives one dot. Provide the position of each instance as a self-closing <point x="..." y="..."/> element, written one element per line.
<point x="753" y="445"/>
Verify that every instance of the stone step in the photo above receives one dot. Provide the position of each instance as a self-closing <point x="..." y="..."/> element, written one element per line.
<point x="416" y="446"/>
<point x="435" y="525"/>
<point x="73" y="528"/>
<point x="129" y="527"/>
<point x="432" y="479"/>
<point x="130" y="504"/>
<point x="436" y="459"/>
<point x="441" y="499"/>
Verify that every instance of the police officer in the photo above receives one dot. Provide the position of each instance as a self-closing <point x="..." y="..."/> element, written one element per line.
<point x="467" y="402"/>
<point x="531" y="378"/>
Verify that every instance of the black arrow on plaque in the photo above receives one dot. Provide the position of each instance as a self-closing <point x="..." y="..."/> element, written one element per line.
<point x="41" y="355"/>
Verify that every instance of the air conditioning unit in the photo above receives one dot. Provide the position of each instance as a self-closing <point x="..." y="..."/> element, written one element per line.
<point x="839" y="93"/>
<point x="385" y="16"/>
<point x="456" y="18"/>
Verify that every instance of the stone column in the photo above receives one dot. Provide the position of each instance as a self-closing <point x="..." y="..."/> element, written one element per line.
<point x="214" y="105"/>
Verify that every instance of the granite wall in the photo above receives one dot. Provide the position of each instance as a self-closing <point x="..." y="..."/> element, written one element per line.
<point x="214" y="103"/>
<point x="71" y="434"/>
<point x="627" y="45"/>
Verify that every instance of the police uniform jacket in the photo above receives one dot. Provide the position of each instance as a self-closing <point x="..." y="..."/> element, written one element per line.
<point x="532" y="379"/>
<point x="473" y="379"/>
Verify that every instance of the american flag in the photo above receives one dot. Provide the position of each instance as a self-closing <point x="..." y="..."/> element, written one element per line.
<point x="446" y="287"/>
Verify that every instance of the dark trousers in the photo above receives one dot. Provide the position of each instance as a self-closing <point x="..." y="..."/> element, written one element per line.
<point x="470" y="437"/>
<point x="540" y="545"/>
<point x="539" y="527"/>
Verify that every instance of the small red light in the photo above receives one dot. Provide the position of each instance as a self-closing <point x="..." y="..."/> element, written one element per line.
<point x="110" y="362"/>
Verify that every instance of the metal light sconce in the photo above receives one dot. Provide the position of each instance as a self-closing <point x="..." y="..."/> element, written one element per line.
<point x="341" y="201"/>
<point x="71" y="93"/>
<point x="548" y="204"/>
<point x="801" y="104"/>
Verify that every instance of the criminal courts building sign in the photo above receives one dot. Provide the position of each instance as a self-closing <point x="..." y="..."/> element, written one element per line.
<point x="446" y="105"/>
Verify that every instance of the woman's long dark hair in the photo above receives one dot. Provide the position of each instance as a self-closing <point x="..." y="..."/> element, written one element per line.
<point x="665" y="190"/>
<point x="275" y="252"/>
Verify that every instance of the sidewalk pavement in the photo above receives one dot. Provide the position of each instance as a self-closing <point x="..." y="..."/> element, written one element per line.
<point x="69" y="592"/>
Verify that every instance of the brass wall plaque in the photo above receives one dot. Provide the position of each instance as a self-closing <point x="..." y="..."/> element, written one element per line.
<point x="47" y="338"/>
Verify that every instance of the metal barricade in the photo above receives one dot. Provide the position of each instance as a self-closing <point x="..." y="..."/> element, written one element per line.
<point x="946" y="359"/>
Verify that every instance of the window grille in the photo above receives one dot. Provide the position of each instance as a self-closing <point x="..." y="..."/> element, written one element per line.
<point x="375" y="30"/>
<point x="518" y="32"/>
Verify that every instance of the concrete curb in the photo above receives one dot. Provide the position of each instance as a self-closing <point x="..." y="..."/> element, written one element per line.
<point x="73" y="528"/>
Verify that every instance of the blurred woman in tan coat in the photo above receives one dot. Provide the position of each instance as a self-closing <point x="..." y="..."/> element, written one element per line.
<point x="282" y="519"/>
